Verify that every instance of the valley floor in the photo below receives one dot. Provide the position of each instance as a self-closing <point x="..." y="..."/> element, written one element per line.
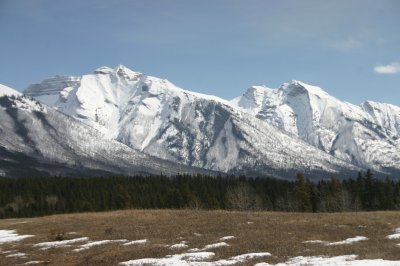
<point x="188" y="237"/>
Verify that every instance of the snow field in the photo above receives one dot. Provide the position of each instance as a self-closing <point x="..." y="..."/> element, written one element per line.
<point x="98" y="243"/>
<point x="181" y="245"/>
<point x="395" y="235"/>
<point x="348" y="260"/>
<point x="59" y="244"/>
<point x="7" y="236"/>
<point x="347" y="241"/>
<point x="227" y="238"/>
<point x="210" y="246"/>
<point x="195" y="258"/>
<point x="135" y="242"/>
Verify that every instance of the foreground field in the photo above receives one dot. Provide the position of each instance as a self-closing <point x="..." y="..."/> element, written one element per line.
<point x="201" y="238"/>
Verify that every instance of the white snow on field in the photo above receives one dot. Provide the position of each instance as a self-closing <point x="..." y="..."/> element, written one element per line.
<point x="98" y="243"/>
<point x="181" y="245"/>
<point x="238" y="259"/>
<point x="59" y="244"/>
<point x="7" y="251"/>
<point x="226" y="238"/>
<point x="216" y="245"/>
<point x="135" y="242"/>
<point x="196" y="259"/>
<point x="178" y="259"/>
<point x="348" y="260"/>
<point x="315" y="242"/>
<point x="210" y="246"/>
<point x="343" y="242"/>
<point x="396" y="234"/>
<point x="7" y="236"/>
<point x="348" y="241"/>
<point x="14" y="255"/>
<point x="35" y="262"/>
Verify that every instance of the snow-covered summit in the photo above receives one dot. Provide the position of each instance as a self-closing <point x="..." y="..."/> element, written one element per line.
<point x="157" y="117"/>
<point x="295" y="126"/>
<point x="36" y="140"/>
<point x="365" y="135"/>
<point x="4" y="90"/>
<point x="296" y="85"/>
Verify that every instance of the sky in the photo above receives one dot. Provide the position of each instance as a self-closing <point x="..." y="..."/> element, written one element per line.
<point x="221" y="47"/>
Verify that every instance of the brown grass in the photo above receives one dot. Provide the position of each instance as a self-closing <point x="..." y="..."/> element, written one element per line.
<point x="281" y="234"/>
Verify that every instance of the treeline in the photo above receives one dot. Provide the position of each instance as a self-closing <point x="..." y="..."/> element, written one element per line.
<point x="26" y="197"/>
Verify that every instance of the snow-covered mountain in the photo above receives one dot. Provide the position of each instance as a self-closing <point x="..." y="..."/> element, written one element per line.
<point x="38" y="140"/>
<point x="366" y="135"/>
<point x="155" y="116"/>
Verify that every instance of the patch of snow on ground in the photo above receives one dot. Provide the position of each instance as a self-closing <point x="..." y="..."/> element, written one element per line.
<point x="181" y="245"/>
<point x="177" y="259"/>
<point x="7" y="236"/>
<point x="210" y="246"/>
<point x="343" y="242"/>
<point x="226" y="238"/>
<point x="98" y="243"/>
<point x="197" y="234"/>
<point x="135" y="242"/>
<point x="216" y="245"/>
<point x="35" y="262"/>
<point x="348" y="260"/>
<point x="241" y="258"/>
<point x="396" y="234"/>
<point x="7" y="251"/>
<point x="59" y="244"/>
<point x="196" y="259"/>
<point x="315" y="242"/>
<point x="14" y="255"/>
<point x="348" y="241"/>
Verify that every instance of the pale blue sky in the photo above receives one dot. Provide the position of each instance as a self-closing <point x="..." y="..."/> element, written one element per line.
<point x="214" y="47"/>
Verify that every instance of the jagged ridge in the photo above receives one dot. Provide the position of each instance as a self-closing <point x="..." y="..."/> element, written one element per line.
<point x="365" y="135"/>
<point x="160" y="119"/>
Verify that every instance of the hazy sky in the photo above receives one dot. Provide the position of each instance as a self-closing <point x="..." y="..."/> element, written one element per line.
<point x="349" y="48"/>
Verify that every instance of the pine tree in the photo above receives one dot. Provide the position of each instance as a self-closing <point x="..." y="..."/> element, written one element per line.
<point x="302" y="193"/>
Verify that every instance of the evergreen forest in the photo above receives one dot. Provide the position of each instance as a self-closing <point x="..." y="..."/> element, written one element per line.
<point x="28" y="197"/>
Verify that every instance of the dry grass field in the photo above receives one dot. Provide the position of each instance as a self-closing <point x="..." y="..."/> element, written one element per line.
<point x="281" y="234"/>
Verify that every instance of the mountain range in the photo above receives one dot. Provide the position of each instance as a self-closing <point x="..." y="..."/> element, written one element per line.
<point x="116" y="120"/>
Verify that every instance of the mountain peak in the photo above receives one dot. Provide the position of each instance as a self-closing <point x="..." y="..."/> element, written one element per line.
<point x="104" y="70"/>
<point x="125" y="72"/>
<point x="119" y="70"/>
<point x="7" y="91"/>
<point x="296" y="86"/>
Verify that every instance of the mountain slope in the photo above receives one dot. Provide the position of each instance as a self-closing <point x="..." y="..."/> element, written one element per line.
<point x="366" y="135"/>
<point x="38" y="140"/>
<point x="162" y="120"/>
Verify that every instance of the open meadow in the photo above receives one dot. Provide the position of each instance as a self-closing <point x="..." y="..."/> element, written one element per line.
<point x="189" y="237"/>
